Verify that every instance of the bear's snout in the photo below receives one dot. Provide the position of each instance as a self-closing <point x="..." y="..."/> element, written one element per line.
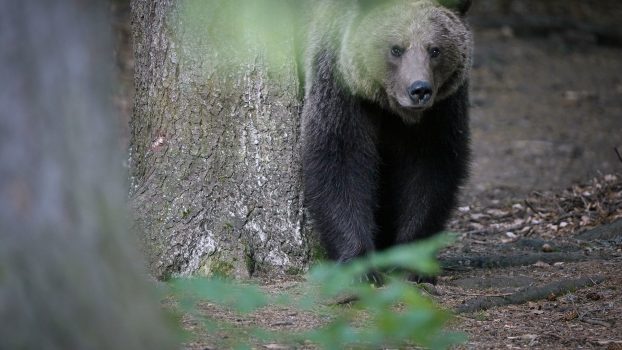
<point x="420" y="92"/>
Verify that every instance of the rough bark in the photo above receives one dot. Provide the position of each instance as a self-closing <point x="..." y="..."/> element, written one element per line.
<point x="214" y="149"/>
<point x="69" y="273"/>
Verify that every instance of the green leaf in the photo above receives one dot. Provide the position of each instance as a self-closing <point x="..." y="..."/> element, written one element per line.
<point x="219" y="291"/>
<point x="396" y="314"/>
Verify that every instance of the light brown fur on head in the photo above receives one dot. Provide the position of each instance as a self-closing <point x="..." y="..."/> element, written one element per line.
<point x="415" y="27"/>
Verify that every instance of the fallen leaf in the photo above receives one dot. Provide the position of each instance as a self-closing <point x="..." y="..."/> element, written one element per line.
<point x="569" y="316"/>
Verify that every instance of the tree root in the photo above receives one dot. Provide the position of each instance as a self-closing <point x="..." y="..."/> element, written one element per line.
<point x="604" y="232"/>
<point x="479" y="261"/>
<point x="529" y="294"/>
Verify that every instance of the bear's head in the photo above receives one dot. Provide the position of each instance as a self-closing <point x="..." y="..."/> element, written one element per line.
<point x="407" y="54"/>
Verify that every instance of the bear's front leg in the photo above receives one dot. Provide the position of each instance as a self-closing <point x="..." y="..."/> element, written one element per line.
<point x="340" y="163"/>
<point x="427" y="191"/>
<point x="426" y="179"/>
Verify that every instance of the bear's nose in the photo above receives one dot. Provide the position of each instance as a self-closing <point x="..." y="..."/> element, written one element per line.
<point x="420" y="92"/>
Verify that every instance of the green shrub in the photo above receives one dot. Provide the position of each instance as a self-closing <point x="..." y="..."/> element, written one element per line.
<point x="396" y="314"/>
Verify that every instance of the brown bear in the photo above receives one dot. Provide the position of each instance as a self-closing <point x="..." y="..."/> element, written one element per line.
<point x="385" y="120"/>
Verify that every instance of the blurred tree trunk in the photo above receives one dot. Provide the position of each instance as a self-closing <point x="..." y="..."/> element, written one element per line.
<point x="70" y="276"/>
<point x="214" y="150"/>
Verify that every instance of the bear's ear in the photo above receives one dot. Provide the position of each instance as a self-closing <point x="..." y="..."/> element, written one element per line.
<point x="460" y="6"/>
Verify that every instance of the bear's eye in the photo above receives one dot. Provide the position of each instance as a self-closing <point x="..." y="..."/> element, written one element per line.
<point x="435" y="52"/>
<point x="397" y="51"/>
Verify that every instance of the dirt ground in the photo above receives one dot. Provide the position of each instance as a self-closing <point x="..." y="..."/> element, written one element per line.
<point x="552" y="230"/>
<point x="546" y="120"/>
<point x="546" y="113"/>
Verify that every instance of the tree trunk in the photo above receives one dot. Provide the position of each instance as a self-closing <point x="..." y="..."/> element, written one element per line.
<point x="214" y="147"/>
<point x="69" y="274"/>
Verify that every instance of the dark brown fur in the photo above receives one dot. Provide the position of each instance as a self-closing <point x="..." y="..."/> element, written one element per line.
<point x="378" y="172"/>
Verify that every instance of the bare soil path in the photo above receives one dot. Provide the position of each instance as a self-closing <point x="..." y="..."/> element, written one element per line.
<point x="546" y="113"/>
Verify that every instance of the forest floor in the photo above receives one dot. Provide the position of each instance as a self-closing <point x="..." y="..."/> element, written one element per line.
<point x="546" y="120"/>
<point x="546" y="113"/>
<point x="539" y="273"/>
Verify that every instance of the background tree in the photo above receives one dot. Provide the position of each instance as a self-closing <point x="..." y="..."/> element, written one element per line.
<point x="70" y="277"/>
<point x="214" y="137"/>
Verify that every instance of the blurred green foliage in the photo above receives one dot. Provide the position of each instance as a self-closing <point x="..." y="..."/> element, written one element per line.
<point x="225" y="35"/>
<point x="393" y="315"/>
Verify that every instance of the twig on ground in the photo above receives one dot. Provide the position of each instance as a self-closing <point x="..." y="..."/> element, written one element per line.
<point x="483" y="295"/>
<point x="530" y="206"/>
<point x="595" y="322"/>
<point x="496" y="230"/>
